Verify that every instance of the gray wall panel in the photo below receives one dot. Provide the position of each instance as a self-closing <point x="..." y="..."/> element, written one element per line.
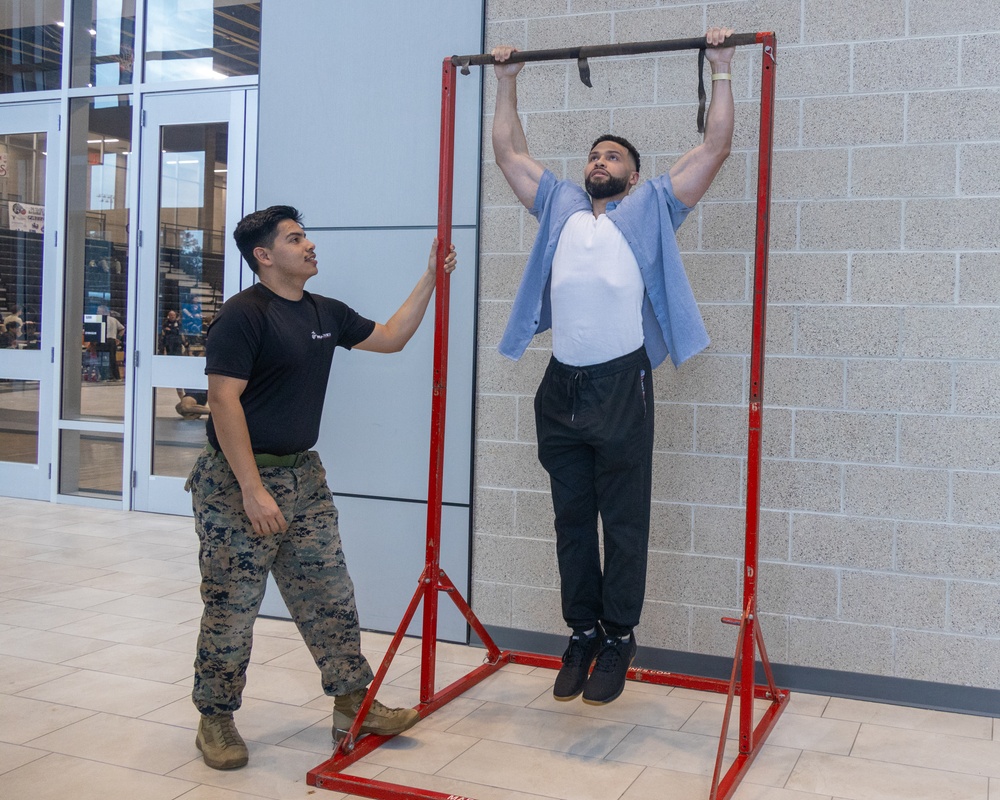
<point x="375" y="436"/>
<point x="349" y="126"/>
<point x="350" y="109"/>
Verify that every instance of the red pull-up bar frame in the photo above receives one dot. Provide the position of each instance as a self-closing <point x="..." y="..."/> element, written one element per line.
<point x="433" y="579"/>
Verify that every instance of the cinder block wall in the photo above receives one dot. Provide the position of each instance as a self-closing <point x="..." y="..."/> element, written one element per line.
<point x="881" y="483"/>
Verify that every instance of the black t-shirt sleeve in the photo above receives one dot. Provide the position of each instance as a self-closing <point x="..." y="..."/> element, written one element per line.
<point x="353" y="327"/>
<point x="233" y="342"/>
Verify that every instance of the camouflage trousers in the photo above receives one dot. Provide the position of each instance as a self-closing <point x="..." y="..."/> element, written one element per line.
<point x="308" y="566"/>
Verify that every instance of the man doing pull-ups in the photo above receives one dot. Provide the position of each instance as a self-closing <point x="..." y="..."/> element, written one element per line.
<point x="605" y="274"/>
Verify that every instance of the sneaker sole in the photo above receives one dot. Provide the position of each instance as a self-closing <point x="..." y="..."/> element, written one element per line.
<point x="567" y="697"/>
<point x="611" y="699"/>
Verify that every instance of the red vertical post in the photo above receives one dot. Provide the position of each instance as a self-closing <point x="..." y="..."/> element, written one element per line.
<point x="756" y="410"/>
<point x="432" y="571"/>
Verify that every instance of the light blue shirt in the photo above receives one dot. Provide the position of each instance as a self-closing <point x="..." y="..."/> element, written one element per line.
<point x="647" y="218"/>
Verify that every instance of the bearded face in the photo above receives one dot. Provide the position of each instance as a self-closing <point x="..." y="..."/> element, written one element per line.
<point x="604" y="185"/>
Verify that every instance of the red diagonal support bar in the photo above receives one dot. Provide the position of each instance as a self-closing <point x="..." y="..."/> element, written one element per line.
<point x="433" y="580"/>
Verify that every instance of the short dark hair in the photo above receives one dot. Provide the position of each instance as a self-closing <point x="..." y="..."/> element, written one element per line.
<point x="260" y="228"/>
<point x="609" y="137"/>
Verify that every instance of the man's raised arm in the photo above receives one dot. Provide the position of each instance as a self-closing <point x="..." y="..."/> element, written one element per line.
<point x="510" y="147"/>
<point x="695" y="170"/>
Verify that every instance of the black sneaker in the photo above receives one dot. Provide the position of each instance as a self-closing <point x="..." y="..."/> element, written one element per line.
<point x="607" y="681"/>
<point x="576" y="665"/>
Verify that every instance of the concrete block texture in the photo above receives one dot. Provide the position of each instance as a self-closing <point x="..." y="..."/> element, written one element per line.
<point x="975" y="388"/>
<point x="812" y="70"/>
<point x="515" y="561"/>
<point x="937" y="17"/>
<point x="897" y="492"/>
<point x="851" y="225"/>
<point x="801" y="485"/>
<point x="912" y="385"/>
<point x="694" y="580"/>
<point x="952" y="442"/>
<point x="903" y="171"/>
<point x="952" y="224"/>
<point x="803" y="383"/>
<point x="854" y="20"/>
<point x="545" y="33"/>
<point x="878" y="598"/>
<point x="665" y="625"/>
<point x="810" y="174"/>
<point x="903" y="278"/>
<point x="848" y="331"/>
<point x="721" y="530"/>
<point x="979" y="278"/>
<point x="670" y="527"/>
<point x="964" y="552"/>
<point x="853" y="120"/>
<point x="841" y="541"/>
<point x="979" y="64"/>
<point x="972" y="608"/>
<point x="649" y="24"/>
<point x="947" y="658"/>
<point x="867" y="649"/>
<point x="880" y="484"/>
<point x="950" y="116"/>
<point x="953" y="333"/>
<point x="796" y="590"/>
<point x="979" y="168"/>
<point x="535" y="608"/>
<point x="906" y="64"/>
<point x="846" y="436"/>
<point x="976" y="499"/>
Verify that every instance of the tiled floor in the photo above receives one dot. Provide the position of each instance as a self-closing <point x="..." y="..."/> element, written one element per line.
<point x="98" y="618"/>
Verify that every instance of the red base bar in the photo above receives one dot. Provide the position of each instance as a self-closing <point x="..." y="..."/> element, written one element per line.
<point x="329" y="775"/>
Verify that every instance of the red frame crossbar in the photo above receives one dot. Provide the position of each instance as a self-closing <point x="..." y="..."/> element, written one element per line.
<point x="433" y="580"/>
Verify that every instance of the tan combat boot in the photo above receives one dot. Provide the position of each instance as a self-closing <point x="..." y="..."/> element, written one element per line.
<point x="380" y="720"/>
<point x="220" y="743"/>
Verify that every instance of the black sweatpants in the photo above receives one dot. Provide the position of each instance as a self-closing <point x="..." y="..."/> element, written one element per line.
<point x="595" y="439"/>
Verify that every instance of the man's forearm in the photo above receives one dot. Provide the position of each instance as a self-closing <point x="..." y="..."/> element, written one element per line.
<point x="404" y="323"/>
<point x="508" y="135"/>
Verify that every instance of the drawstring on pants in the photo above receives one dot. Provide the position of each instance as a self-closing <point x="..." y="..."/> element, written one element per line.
<point x="576" y="383"/>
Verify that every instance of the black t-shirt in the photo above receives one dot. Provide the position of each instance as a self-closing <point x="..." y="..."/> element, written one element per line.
<point x="283" y="349"/>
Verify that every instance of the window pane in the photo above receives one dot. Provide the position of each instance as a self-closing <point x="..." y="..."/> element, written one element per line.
<point x="201" y="39"/>
<point x="19" y="421"/>
<point x="31" y="40"/>
<point x="178" y="430"/>
<point x="96" y="282"/>
<point x="192" y="218"/>
<point x="90" y="464"/>
<point x="22" y="223"/>
<point x="103" y="41"/>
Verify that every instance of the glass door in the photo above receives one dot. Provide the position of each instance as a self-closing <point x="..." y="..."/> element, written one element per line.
<point x="195" y="183"/>
<point x="29" y="212"/>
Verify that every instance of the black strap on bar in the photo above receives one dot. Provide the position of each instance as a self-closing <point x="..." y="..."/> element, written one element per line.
<point x="701" y="90"/>
<point x="581" y="54"/>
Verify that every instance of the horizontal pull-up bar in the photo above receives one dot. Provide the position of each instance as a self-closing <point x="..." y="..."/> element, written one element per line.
<point x="603" y="50"/>
<point x="582" y="53"/>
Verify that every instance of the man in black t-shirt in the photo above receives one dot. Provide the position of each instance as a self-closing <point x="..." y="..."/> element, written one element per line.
<point x="260" y="496"/>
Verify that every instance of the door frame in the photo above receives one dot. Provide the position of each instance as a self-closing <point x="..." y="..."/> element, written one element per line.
<point x="35" y="481"/>
<point x="236" y="106"/>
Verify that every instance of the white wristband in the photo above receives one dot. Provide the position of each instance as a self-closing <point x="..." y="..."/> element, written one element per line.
<point x="722" y="76"/>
